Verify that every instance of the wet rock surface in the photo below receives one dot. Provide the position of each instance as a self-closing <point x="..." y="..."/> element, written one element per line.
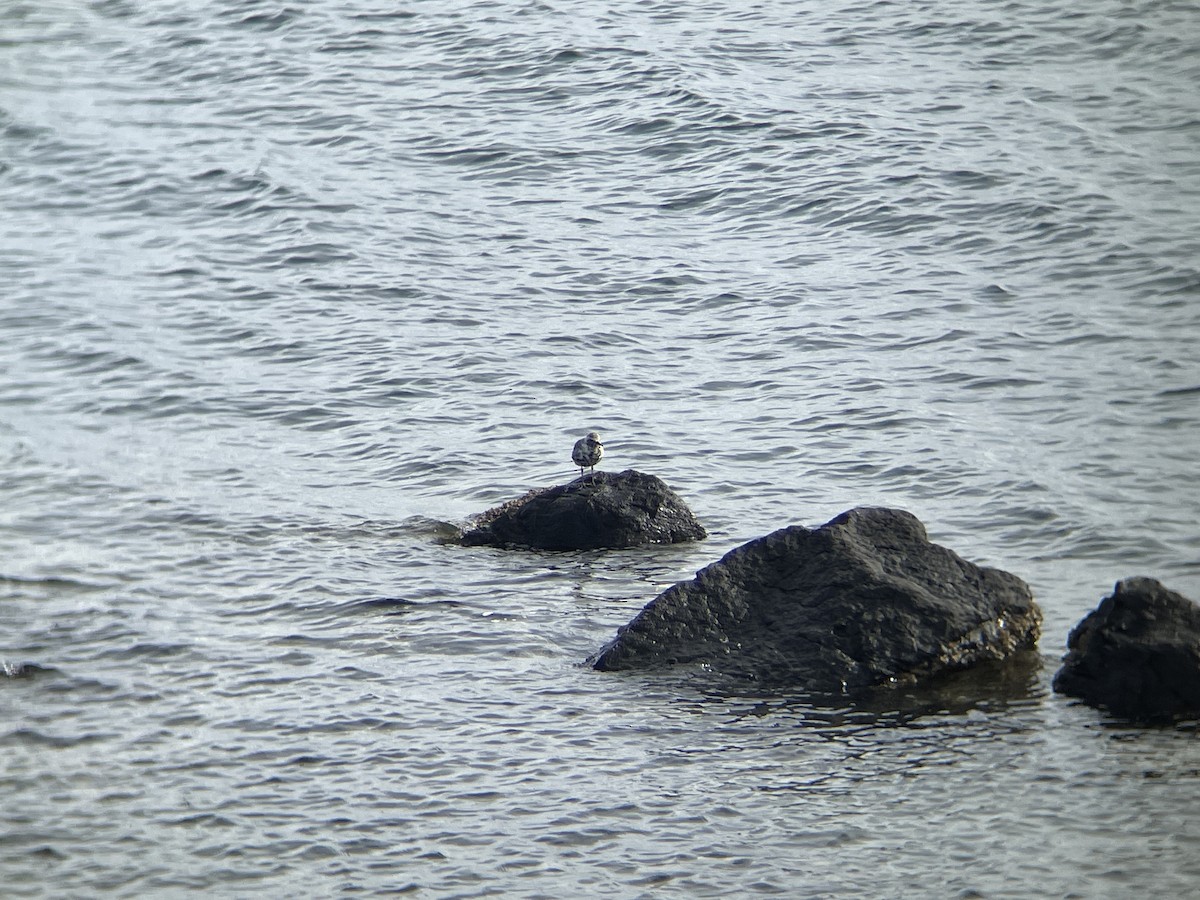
<point x="600" y="510"/>
<point x="864" y="600"/>
<point x="1137" y="654"/>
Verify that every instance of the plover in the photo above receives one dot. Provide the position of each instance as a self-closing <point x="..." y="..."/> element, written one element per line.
<point x="587" y="452"/>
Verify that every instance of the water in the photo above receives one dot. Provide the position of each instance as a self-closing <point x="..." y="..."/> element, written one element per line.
<point x="286" y="286"/>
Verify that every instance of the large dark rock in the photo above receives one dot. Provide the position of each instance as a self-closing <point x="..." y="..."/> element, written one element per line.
<point x="629" y="509"/>
<point x="1137" y="654"/>
<point x="864" y="600"/>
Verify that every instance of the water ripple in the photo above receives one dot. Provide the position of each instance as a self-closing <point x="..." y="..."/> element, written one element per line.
<point x="290" y="291"/>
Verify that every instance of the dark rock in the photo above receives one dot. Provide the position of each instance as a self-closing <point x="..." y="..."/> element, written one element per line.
<point x="864" y="600"/>
<point x="1137" y="654"/>
<point x="629" y="509"/>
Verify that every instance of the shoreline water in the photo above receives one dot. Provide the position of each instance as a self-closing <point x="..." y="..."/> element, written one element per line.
<point x="283" y="287"/>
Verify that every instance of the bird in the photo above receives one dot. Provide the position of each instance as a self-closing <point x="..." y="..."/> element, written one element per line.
<point x="587" y="452"/>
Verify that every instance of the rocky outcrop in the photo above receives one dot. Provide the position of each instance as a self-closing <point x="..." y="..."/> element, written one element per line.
<point x="862" y="601"/>
<point x="1137" y="654"/>
<point x="629" y="509"/>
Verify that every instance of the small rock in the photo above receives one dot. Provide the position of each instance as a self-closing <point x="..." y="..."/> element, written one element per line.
<point x="629" y="509"/>
<point x="864" y="600"/>
<point x="1137" y="654"/>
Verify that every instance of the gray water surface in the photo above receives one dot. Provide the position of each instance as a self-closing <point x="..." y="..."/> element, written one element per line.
<point x="284" y="287"/>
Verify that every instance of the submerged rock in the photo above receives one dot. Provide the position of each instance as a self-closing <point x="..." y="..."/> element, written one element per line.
<point x="629" y="509"/>
<point x="1137" y="654"/>
<point x="864" y="600"/>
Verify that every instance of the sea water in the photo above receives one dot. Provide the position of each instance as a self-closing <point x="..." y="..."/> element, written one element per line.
<point x="285" y="289"/>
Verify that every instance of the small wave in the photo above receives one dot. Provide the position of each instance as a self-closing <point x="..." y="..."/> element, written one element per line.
<point x="1179" y="392"/>
<point x="268" y="21"/>
<point x="54" y="583"/>
<point x="385" y="605"/>
<point x="31" y="736"/>
<point x="146" y="650"/>
<point x="23" y="669"/>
